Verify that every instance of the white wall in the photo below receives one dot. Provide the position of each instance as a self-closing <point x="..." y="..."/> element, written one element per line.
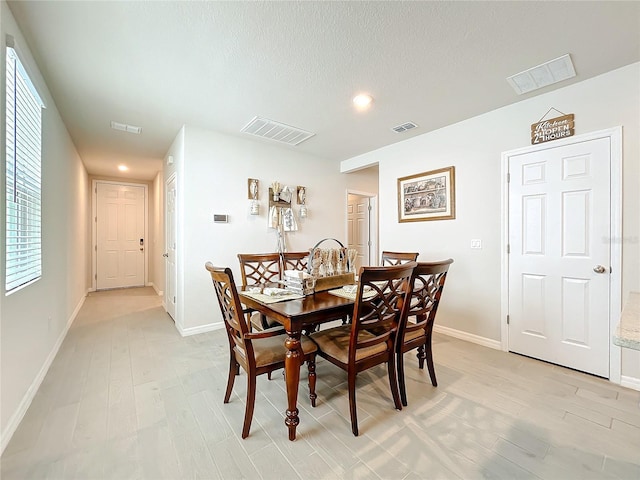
<point x="34" y="320"/>
<point x="156" y="230"/>
<point x="471" y="302"/>
<point x="215" y="168"/>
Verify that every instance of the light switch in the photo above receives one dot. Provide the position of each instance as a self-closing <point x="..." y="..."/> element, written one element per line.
<point x="476" y="243"/>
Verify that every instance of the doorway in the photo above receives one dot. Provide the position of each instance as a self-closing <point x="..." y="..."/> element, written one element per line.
<point x="171" y="230"/>
<point x="362" y="227"/>
<point x="119" y="235"/>
<point x="561" y="267"/>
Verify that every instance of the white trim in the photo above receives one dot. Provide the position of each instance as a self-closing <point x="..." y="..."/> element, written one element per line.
<point x="16" y="418"/>
<point x="615" y="289"/>
<point x="94" y="234"/>
<point x="630" y="382"/>
<point x="504" y="258"/>
<point x="615" y="246"/>
<point x="468" y="337"/>
<point x="210" y="327"/>
<point x="160" y="293"/>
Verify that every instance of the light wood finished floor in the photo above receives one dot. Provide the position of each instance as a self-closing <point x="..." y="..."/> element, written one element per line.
<point x="127" y="398"/>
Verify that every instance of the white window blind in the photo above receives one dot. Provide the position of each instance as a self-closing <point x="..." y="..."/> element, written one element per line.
<point x="23" y="181"/>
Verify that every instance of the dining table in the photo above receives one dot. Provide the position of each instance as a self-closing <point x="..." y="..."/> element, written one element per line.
<point x="296" y="314"/>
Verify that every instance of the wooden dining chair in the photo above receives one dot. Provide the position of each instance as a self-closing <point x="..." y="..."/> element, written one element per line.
<point x="295" y="261"/>
<point x="257" y="353"/>
<point x="383" y="293"/>
<point x="397" y="258"/>
<point x="427" y="286"/>
<point x="258" y="269"/>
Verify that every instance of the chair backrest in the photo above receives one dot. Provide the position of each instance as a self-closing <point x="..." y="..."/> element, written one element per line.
<point x="231" y="309"/>
<point x="382" y="301"/>
<point x="398" y="258"/>
<point x="427" y="286"/>
<point x="259" y="268"/>
<point x="295" y="260"/>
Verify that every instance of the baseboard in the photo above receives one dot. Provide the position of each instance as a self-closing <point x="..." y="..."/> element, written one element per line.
<point x="19" y="414"/>
<point x="469" y="337"/>
<point x="186" y="332"/>
<point x="160" y="293"/>
<point x="630" y="382"/>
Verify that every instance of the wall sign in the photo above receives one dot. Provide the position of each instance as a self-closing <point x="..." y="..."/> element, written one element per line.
<point x="552" y="129"/>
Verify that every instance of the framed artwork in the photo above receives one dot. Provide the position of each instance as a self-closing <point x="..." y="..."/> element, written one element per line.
<point x="253" y="188"/>
<point x="427" y="196"/>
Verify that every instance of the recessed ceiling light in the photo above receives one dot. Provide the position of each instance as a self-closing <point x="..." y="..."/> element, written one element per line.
<point x="123" y="127"/>
<point x="362" y="100"/>
<point x="548" y="73"/>
<point x="123" y="168"/>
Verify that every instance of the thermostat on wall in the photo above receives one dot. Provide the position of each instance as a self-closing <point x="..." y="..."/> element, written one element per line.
<point x="220" y="218"/>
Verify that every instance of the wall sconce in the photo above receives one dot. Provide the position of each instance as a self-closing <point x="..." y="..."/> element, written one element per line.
<point x="302" y="201"/>
<point x="254" y="206"/>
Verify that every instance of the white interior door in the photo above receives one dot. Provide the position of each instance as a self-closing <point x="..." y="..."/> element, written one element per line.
<point x="120" y="235"/>
<point x="359" y="228"/>
<point x="170" y="255"/>
<point x="559" y="261"/>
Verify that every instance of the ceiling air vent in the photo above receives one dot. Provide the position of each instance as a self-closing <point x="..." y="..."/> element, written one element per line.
<point x="279" y="132"/>
<point x="123" y="127"/>
<point x="548" y="73"/>
<point x="404" y="127"/>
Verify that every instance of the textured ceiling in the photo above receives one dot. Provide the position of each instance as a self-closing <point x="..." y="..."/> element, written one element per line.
<point x="160" y="65"/>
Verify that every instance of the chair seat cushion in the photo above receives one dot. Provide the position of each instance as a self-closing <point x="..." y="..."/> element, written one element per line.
<point x="272" y="350"/>
<point x="256" y="322"/>
<point x="413" y="334"/>
<point x="334" y="342"/>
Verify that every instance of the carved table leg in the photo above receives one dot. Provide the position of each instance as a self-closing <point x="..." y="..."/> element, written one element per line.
<point x="292" y="376"/>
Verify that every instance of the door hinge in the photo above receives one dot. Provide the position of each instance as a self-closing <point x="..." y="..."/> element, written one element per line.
<point x="508" y="177"/>
<point x="174" y="299"/>
<point x="508" y="248"/>
<point x="95" y="248"/>
<point x="369" y="207"/>
<point x="507" y="319"/>
<point x="95" y="276"/>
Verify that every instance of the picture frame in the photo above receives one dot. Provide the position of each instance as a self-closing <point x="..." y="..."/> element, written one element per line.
<point x="427" y="196"/>
<point x="253" y="188"/>
<point x="301" y="195"/>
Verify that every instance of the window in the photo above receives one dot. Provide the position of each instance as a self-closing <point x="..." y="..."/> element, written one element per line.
<point x="23" y="184"/>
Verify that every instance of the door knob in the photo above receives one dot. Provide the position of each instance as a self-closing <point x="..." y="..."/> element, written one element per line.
<point x="599" y="269"/>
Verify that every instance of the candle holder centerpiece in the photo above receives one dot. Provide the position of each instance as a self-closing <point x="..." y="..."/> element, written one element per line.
<point x="330" y="266"/>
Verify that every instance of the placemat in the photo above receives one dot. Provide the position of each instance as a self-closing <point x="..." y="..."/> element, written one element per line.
<point x="261" y="297"/>
<point x="340" y="292"/>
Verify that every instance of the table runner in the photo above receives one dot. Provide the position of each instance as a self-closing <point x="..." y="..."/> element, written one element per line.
<point x="261" y="297"/>
<point x="341" y="292"/>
